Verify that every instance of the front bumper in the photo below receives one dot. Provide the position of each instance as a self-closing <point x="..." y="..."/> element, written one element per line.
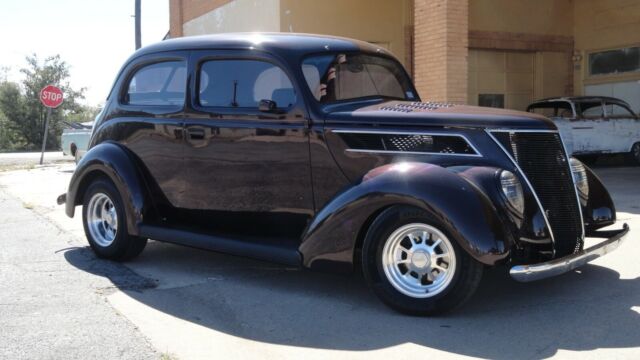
<point x="526" y="273"/>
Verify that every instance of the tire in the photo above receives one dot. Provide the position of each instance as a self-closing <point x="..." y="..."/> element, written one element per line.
<point x="104" y="222"/>
<point x="634" y="155"/>
<point x="434" y="294"/>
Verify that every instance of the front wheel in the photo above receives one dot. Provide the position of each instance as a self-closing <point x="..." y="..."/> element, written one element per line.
<point x="105" y="224"/>
<point x="413" y="265"/>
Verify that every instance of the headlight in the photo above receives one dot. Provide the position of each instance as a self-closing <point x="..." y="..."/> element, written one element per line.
<point x="579" y="174"/>
<point x="512" y="190"/>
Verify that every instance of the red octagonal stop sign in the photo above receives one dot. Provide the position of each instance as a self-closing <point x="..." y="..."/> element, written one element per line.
<point x="51" y="96"/>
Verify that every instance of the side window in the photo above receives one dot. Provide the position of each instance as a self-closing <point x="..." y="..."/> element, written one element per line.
<point x="243" y="84"/>
<point x="592" y="110"/>
<point x="158" y="84"/>
<point x="545" y="111"/>
<point x="618" y="111"/>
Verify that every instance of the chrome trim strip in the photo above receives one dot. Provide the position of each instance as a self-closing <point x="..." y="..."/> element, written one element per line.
<point x="390" y="132"/>
<point x="533" y="191"/>
<point x="575" y="188"/>
<point x="526" y="273"/>
<point x="408" y="152"/>
<point x="523" y="130"/>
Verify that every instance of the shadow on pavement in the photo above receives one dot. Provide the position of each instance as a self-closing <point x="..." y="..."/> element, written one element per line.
<point x="587" y="309"/>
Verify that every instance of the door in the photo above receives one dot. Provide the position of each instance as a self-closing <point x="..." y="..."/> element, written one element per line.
<point x="502" y="79"/>
<point x="147" y="119"/>
<point x="247" y="170"/>
<point x="592" y="131"/>
<point x="626" y="126"/>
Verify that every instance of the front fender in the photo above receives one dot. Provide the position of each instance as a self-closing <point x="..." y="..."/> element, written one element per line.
<point x="599" y="210"/>
<point x="331" y="238"/>
<point x="113" y="161"/>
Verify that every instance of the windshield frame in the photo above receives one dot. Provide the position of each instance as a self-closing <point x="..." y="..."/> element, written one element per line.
<point x="368" y="98"/>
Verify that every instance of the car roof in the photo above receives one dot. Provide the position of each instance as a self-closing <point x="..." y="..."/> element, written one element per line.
<point x="579" y="99"/>
<point x="279" y="43"/>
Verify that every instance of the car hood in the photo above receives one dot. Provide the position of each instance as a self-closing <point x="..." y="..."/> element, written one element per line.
<point x="404" y="113"/>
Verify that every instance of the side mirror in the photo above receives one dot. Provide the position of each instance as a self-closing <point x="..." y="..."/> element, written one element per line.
<point x="267" y="106"/>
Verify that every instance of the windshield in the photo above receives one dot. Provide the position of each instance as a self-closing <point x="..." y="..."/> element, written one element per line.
<point x="339" y="77"/>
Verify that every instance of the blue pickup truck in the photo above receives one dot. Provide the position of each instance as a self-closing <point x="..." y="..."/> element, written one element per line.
<point x="75" y="139"/>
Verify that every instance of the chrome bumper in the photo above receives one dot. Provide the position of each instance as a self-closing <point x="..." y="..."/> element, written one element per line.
<point x="526" y="273"/>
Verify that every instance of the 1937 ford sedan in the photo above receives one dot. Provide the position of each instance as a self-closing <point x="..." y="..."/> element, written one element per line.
<point x="318" y="152"/>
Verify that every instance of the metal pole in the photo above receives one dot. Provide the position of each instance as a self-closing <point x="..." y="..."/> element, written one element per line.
<point x="138" y="31"/>
<point x="44" y="136"/>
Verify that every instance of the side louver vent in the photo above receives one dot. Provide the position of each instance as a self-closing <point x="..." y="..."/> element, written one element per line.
<point x="408" y="143"/>
<point x="416" y="106"/>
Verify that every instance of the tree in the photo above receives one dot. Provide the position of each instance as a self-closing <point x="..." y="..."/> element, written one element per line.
<point x="24" y="114"/>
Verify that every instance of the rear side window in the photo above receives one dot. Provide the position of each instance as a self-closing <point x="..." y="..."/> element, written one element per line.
<point x="592" y="110"/>
<point x="158" y="84"/>
<point x="243" y="83"/>
<point x="618" y="111"/>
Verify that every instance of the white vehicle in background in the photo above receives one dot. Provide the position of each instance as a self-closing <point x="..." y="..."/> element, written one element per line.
<point x="593" y="125"/>
<point x="75" y="139"/>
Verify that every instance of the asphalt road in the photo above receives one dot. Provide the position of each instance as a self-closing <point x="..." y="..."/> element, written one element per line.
<point x="59" y="300"/>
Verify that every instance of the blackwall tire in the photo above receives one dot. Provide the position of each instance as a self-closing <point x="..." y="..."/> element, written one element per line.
<point x="427" y="289"/>
<point x="104" y="223"/>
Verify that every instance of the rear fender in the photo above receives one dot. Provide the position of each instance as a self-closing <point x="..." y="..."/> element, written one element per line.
<point x="330" y="240"/>
<point x="113" y="161"/>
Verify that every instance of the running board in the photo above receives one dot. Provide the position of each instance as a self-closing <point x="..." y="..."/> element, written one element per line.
<point x="273" y="250"/>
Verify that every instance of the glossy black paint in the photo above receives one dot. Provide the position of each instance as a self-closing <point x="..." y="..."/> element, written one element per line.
<point x="283" y="186"/>
<point x="329" y="238"/>
<point x="115" y="162"/>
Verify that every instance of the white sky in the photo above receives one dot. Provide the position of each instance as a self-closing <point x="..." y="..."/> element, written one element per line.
<point x="94" y="36"/>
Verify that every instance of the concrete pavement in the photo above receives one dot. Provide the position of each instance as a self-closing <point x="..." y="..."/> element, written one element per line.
<point x="196" y="304"/>
<point x="48" y="309"/>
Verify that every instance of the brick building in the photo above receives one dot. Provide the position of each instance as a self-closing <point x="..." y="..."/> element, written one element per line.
<point x="502" y="53"/>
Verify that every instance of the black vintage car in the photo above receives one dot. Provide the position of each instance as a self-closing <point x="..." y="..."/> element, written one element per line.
<point x="318" y="152"/>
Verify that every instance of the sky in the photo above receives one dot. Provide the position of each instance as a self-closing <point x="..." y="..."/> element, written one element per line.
<point x="95" y="37"/>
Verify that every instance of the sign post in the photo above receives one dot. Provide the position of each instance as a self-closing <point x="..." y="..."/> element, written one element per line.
<point x="51" y="97"/>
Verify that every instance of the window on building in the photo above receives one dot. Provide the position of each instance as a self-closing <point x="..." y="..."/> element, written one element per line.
<point x="614" y="61"/>
<point x="491" y="100"/>
<point x="244" y="83"/>
<point x="158" y="84"/>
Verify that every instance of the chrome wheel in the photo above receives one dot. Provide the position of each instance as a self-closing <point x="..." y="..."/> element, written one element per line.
<point x="419" y="260"/>
<point x="102" y="219"/>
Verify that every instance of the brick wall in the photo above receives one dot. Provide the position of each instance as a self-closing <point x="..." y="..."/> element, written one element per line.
<point x="441" y="49"/>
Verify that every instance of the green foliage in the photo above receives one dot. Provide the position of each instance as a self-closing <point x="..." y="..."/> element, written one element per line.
<point x="23" y="120"/>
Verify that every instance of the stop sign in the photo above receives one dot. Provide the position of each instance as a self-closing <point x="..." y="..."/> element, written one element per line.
<point x="51" y="96"/>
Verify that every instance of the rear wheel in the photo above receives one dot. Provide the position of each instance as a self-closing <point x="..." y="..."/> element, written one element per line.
<point x="413" y="265"/>
<point x="105" y="224"/>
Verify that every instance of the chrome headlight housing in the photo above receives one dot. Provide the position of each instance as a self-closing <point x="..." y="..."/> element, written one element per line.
<point x="580" y="178"/>
<point x="512" y="191"/>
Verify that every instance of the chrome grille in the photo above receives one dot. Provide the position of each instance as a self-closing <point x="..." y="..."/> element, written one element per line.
<point x="542" y="159"/>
